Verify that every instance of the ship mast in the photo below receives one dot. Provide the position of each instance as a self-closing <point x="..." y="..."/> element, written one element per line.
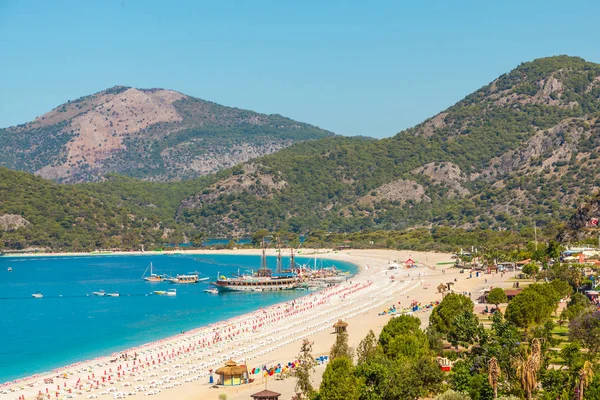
<point x="263" y="271"/>
<point x="292" y="263"/>
<point x="278" y="256"/>
<point x="263" y="261"/>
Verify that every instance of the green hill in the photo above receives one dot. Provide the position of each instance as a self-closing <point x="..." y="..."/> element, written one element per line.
<point x="522" y="148"/>
<point x="118" y="213"/>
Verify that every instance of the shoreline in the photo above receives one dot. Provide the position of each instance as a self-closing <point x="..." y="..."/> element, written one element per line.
<point x="238" y="251"/>
<point x="363" y="296"/>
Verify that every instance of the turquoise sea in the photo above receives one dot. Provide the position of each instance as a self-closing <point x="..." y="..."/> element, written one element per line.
<point x="70" y="324"/>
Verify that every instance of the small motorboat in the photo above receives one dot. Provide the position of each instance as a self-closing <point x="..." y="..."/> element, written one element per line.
<point x="37" y="295"/>
<point x="9" y="269"/>
<point x="170" y="292"/>
<point x="211" y="291"/>
<point x="115" y="294"/>
<point x="99" y="293"/>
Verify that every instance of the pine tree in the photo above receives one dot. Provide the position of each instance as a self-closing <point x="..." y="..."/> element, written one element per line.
<point x="304" y="388"/>
<point x="341" y="348"/>
<point x="366" y="348"/>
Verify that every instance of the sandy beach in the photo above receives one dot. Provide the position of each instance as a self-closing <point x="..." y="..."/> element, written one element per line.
<point x="179" y="367"/>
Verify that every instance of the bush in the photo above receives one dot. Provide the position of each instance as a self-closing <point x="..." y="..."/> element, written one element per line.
<point x="453" y="395"/>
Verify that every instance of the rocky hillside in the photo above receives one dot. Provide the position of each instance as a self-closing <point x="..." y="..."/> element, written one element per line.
<point x="523" y="148"/>
<point x="584" y="224"/>
<point x="151" y="134"/>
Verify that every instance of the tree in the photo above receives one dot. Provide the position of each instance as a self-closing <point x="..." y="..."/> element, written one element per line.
<point x="577" y="305"/>
<point x="258" y="236"/>
<point x="586" y="329"/>
<point x="531" y="270"/>
<point x="554" y="250"/>
<point x="534" y="305"/>
<point x="529" y="368"/>
<point x="465" y="330"/>
<point x="339" y="382"/>
<point x="586" y="374"/>
<point x="442" y="317"/>
<point x="497" y="296"/>
<point x="341" y="348"/>
<point x="401" y="325"/>
<point x="304" y="388"/>
<point x="366" y="348"/>
<point x="494" y="374"/>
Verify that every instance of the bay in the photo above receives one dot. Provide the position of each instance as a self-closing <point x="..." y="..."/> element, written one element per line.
<point x="69" y="324"/>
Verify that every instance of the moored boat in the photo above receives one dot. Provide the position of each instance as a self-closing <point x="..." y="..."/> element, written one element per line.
<point x="170" y="292"/>
<point x="114" y="294"/>
<point x="248" y="283"/>
<point x="9" y="269"/>
<point x="99" y="293"/>
<point x="187" y="278"/>
<point x="37" y="295"/>
<point x="212" y="291"/>
<point x="153" y="277"/>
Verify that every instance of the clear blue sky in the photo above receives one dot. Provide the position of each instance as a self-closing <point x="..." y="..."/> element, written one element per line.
<point x="354" y="67"/>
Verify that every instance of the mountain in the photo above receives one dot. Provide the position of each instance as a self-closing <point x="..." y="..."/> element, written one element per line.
<point x="152" y="134"/>
<point x="523" y="148"/>
<point x="519" y="151"/>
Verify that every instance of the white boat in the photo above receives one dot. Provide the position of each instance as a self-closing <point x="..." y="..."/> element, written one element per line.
<point x="153" y="277"/>
<point x="115" y="294"/>
<point x="9" y="269"/>
<point x="99" y="293"/>
<point x="170" y="292"/>
<point x="189" y="278"/>
<point x="37" y="295"/>
<point x="212" y="291"/>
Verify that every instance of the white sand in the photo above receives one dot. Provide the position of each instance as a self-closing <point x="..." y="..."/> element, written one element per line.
<point x="178" y="367"/>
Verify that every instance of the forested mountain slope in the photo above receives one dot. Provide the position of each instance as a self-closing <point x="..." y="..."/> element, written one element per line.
<point x="151" y="134"/>
<point x="118" y="213"/>
<point x="522" y="148"/>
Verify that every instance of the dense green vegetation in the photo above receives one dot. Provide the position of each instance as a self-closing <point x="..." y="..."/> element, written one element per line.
<point x="493" y="357"/>
<point x="120" y="213"/>
<point x="484" y="177"/>
<point x="335" y="184"/>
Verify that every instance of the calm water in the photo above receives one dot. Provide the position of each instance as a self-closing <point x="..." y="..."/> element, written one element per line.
<point x="38" y="335"/>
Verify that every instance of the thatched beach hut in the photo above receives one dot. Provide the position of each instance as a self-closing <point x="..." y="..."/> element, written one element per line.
<point x="266" y="395"/>
<point x="340" y="326"/>
<point x="232" y="374"/>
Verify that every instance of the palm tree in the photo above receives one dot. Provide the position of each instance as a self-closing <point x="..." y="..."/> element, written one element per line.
<point x="441" y="288"/>
<point x="536" y="353"/>
<point x="494" y="374"/>
<point x="585" y="376"/>
<point x="529" y="376"/>
<point x="528" y="368"/>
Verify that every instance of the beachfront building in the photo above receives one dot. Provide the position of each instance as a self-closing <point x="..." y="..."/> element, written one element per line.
<point x="340" y="326"/>
<point x="232" y="374"/>
<point x="266" y="395"/>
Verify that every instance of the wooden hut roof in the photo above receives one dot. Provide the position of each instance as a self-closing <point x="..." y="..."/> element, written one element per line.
<point x="265" y="394"/>
<point x="340" y="324"/>
<point x="231" y="368"/>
